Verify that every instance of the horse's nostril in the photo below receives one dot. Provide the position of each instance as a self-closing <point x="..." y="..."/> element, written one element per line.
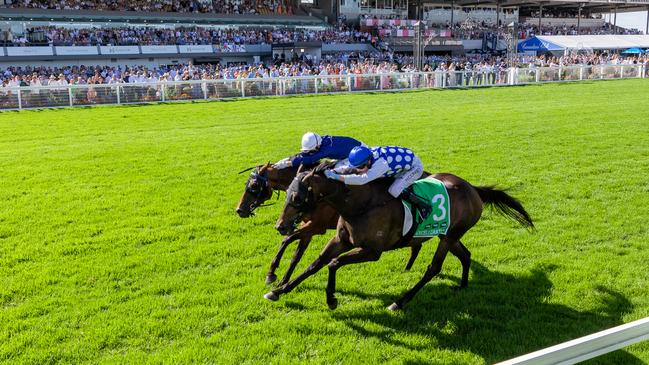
<point x="240" y="212"/>
<point x="281" y="229"/>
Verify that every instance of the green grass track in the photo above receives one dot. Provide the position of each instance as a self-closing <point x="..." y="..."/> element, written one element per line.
<point x="119" y="242"/>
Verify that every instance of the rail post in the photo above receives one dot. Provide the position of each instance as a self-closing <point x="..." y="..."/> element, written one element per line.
<point x="20" y="99"/>
<point x="70" y="95"/>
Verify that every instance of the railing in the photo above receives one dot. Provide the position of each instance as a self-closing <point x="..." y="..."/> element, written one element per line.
<point x="53" y="96"/>
<point x="587" y="347"/>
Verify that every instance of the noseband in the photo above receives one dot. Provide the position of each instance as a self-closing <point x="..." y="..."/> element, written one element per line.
<point x="262" y="191"/>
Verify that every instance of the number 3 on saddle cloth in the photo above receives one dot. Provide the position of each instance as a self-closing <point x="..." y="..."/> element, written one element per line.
<point x="434" y="192"/>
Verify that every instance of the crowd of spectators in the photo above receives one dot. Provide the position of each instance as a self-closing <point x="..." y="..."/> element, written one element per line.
<point x="336" y="64"/>
<point x="477" y="29"/>
<point x="248" y="7"/>
<point x="393" y="71"/>
<point x="527" y="30"/>
<point x="192" y="35"/>
<point x="60" y="36"/>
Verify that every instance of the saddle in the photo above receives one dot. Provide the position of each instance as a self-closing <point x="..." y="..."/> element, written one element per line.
<point x="437" y="223"/>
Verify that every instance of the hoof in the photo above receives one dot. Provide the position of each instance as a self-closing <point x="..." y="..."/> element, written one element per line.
<point x="271" y="296"/>
<point x="332" y="303"/>
<point x="394" y="307"/>
<point x="270" y="278"/>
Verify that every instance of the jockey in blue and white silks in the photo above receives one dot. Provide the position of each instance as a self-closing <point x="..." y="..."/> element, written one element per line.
<point x="316" y="148"/>
<point x="388" y="161"/>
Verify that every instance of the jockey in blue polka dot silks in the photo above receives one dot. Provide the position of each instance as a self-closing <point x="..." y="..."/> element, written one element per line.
<point x="316" y="147"/>
<point x="388" y="161"/>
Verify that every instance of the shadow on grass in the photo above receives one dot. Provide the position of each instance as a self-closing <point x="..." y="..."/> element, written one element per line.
<point x="498" y="317"/>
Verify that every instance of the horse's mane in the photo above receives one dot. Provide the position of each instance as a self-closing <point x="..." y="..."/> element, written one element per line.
<point x="325" y="165"/>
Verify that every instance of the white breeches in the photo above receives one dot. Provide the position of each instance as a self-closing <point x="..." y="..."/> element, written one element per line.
<point x="406" y="178"/>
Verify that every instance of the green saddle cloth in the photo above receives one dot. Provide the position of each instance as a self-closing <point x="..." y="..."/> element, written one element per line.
<point x="434" y="192"/>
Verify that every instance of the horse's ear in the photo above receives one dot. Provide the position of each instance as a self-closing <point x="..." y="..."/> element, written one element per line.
<point x="299" y="169"/>
<point x="265" y="167"/>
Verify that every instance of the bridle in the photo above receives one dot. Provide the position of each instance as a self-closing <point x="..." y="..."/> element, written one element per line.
<point x="309" y="203"/>
<point x="262" y="192"/>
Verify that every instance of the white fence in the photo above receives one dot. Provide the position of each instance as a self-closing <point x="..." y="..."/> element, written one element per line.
<point x="97" y="94"/>
<point x="587" y="347"/>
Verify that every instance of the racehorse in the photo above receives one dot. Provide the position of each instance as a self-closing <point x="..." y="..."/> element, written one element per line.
<point x="262" y="182"/>
<point x="372" y="220"/>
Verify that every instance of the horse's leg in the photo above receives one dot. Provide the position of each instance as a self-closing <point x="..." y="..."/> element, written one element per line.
<point x="357" y="255"/>
<point x="433" y="269"/>
<point x="414" y="252"/>
<point x="462" y="253"/>
<point x="334" y="248"/>
<point x="297" y="256"/>
<point x="271" y="277"/>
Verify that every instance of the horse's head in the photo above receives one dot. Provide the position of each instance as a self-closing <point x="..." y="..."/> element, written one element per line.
<point x="258" y="190"/>
<point x="302" y="197"/>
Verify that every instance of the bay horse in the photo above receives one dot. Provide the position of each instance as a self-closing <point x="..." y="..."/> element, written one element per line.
<point x="263" y="181"/>
<point x="371" y="222"/>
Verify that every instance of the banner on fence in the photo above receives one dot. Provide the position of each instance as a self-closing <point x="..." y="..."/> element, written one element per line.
<point x="119" y="50"/>
<point x="199" y="48"/>
<point x="30" y="51"/>
<point x="76" y="51"/>
<point x="159" y="49"/>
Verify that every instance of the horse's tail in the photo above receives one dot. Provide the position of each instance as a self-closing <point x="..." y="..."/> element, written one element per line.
<point x="505" y="204"/>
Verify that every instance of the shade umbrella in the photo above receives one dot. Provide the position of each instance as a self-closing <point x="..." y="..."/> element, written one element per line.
<point x="634" y="50"/>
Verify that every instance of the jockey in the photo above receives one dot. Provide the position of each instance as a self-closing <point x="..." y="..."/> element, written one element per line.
<point x="388" y="161"/>
<point x="315" y="148"/>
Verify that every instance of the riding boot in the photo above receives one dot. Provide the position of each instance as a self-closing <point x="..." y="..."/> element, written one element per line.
<point x="420" y="204"/>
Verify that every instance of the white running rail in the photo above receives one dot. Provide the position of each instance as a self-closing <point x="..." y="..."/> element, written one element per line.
<point x="55" y="96"/>
<point x="587" y="347"/>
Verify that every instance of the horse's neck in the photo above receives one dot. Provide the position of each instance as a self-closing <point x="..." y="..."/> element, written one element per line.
<point x="281" y="179"/>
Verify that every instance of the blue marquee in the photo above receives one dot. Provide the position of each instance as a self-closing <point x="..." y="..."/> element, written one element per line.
<point x="536" y="44"/>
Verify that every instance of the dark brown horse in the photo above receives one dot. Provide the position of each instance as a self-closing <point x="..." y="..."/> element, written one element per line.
<point x="371" y="222"/>
<point x="263" y="181"/>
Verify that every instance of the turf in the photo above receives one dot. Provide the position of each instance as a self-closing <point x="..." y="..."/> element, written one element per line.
<point x="119" y="242"/>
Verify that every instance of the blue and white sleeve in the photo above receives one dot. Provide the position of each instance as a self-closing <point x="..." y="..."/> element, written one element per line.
<point x="378" y="170"/>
